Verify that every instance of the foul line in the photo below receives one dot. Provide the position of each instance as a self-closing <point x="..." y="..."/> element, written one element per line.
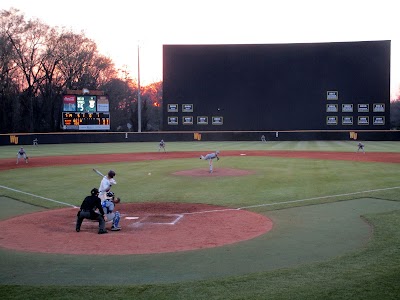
<point x="44" y="198"/>
<point x="321" y="197"/>
<point x="292" y="201"/>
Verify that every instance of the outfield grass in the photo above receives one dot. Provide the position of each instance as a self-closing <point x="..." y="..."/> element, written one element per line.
<point x="370" y="272"/>
<point x="100" y="148"/>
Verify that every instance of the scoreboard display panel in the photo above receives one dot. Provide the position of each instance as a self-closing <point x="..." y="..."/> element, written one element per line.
<point x="85" y="112"/>
<point x="304" y="86"/>
<point x="86" y="121"/>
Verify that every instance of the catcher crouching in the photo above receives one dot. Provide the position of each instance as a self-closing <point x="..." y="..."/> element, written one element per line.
<point x="109" y="210"/>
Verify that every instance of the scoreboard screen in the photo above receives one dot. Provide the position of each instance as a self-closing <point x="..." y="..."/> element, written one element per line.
<point x="86" y="121"/>
<point x="85" y="112"/>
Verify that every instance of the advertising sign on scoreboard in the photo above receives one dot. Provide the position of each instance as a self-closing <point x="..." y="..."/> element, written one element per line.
<point x="69" y="103"/>
<point x="103" y="104"/>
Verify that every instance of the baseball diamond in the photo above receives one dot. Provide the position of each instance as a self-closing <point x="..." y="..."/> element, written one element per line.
<point x="180" y="241"/>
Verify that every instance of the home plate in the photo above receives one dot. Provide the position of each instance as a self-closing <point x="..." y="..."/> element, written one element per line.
<point x="242" y="154"/>
<point x="131" y="218"/>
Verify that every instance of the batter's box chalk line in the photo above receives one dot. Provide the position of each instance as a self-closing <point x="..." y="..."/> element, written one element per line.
<point x="159" y="219"/>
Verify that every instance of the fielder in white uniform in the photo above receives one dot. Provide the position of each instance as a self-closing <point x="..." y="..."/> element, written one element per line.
<point x="105" y="185"/>
<point x="210" y="158"/>
<point x="161" y="145"/>
<point x="22" y="154"/>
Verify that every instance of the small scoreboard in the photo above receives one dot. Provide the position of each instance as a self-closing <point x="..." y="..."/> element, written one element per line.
<point x="85" y="112"/>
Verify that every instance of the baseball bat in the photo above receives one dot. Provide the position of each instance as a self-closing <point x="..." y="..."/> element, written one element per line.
<point x="98" y="172"/>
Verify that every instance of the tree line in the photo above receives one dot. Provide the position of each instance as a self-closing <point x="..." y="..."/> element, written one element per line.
<point x="38" y="63"/>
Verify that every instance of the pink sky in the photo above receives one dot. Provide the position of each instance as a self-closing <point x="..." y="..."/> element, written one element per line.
<point x="119" y="26"/>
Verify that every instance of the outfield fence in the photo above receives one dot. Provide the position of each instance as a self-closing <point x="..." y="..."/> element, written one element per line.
<point x="185" y="136"/>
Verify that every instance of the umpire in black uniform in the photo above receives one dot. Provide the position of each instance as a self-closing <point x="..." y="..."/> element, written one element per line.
<point x="87" y="211"/>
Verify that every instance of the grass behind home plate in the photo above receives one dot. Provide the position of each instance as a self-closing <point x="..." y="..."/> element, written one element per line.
<point x="370" y="272"/>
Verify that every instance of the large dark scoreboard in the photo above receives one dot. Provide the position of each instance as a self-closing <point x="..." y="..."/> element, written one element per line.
<point x="85" y="112"/>
<point x="260" y="87"/>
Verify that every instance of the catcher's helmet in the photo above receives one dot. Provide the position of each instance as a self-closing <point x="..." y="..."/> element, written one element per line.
<point x="110" y="194"/>
<point x="111" y="174"/>
<point x="94" y="191"/>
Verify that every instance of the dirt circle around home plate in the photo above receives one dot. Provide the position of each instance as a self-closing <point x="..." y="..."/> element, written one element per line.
<point x="146" y="228"/>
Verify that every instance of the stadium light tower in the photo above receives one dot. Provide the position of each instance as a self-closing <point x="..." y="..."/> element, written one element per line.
<point x="139" y="100"/>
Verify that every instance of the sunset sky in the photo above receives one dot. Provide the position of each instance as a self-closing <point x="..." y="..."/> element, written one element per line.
<point x="119" y="26"/>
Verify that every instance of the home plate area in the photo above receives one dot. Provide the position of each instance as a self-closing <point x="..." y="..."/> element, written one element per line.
<point x="146" y="228"/>
<point x="160" y="219"/>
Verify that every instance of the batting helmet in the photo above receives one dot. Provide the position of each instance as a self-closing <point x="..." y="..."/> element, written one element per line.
<point x="110" y="194"/>
<point x="111" y="174"/>
<point x="94" y="191"/>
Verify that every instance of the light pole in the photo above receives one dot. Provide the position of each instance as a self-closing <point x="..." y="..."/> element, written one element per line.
<point x="139" y="100"/>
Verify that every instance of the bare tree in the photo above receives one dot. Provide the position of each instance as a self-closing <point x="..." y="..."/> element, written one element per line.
<point x="27" y="39"/>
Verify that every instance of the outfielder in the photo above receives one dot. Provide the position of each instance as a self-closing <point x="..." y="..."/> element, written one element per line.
<point x="22" y="154"/>
<point x="210" y="158"/>
<point x="108" y="207"/>
<point x="105" y="185"/>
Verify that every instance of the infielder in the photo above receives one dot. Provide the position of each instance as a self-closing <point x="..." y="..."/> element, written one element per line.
<point x="210" y="158"/>
<point x="360" y="147"/>
<point x="22" y="154"/>
<point x="106" y="183"/>
<point x="161" y="146"/>
<point x="108" y="207"/>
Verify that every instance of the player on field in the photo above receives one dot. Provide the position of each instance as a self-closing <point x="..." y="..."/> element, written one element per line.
<point x="110" y="212"/>
<point x="106" y="183"/>
<point x="360" y="147"/>
<point x="210" y="157"/>
<point x="161" y="146"/>
<point x="22" y="154"/>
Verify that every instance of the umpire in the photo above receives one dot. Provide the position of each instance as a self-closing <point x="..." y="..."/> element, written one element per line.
<point x="87" y="211"/>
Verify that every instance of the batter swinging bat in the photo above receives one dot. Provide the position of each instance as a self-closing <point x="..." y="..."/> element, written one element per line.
<point x="98" y="172"/>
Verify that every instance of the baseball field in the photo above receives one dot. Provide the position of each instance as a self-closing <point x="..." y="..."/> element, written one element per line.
<point x="275" y="220"/>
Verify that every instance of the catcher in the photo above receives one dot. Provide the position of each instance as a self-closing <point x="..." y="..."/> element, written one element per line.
<point x="109" y="210"/>
<point x="22" y="154"/>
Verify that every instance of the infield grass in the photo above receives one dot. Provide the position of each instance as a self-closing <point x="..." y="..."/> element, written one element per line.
<point x="371" y="272"/>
